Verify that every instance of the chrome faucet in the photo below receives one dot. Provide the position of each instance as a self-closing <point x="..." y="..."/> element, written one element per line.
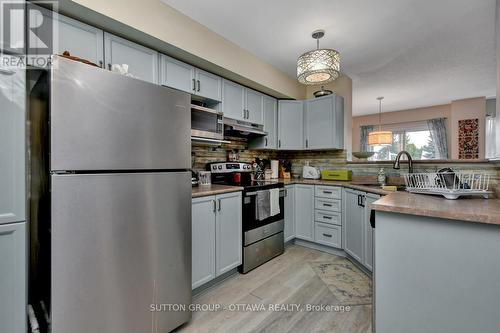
<point x="410" y="161"/>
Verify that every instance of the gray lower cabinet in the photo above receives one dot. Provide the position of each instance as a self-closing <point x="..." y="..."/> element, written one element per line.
<point x="216" y="236"/>
<point x="270" y="141"/>
<point x="324" y="123"/>
<point x="12" y="145"/>
<point x="142" y="62"/>
<point x="353" y="224"/>
<point x="358" y="233"/>
<point x="289" y="213"/>
<point x="290" y="125"/>
<point x="13" y="277"/>
<point x="203" y="240"/>
<point x="304" y="212"/>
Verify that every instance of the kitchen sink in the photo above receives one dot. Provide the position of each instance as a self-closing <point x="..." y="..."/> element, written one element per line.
<point x="399" y="187"/>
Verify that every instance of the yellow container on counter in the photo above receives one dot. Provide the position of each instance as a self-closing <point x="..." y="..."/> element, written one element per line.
<point x="336" y="174"/>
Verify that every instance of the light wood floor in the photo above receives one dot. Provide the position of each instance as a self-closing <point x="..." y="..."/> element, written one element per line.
<point x="287" y="279"/>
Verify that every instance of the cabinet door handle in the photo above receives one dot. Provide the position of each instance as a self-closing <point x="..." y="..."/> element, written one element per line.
<point x="363" y="198"/>
<point x="199" y="85"/>
<point x="327" y="217"/>
<point x="307" y="143"/>
<point x="215" y="205"/>
<point x="194" y="85"/>
<point x="279" y="143"/>
<point x="327" y="205"/>
<point x="265" y="139"/>
<point x="327" y="235"/>
<point x="359" y="200"/>
<point x="327" y="192"/>
<point x="220" y="204"/>
<point x="101" y="64"/>
<point x="109" y="66"/>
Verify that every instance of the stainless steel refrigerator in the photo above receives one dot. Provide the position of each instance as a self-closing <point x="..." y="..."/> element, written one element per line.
<point x="110" y="201"/>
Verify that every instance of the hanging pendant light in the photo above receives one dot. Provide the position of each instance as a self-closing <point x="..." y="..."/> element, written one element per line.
<point x="319" y="66"/>
<point x="380" y="138"/>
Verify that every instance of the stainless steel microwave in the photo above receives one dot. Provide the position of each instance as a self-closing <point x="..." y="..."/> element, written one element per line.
<point x="206" y="123"/>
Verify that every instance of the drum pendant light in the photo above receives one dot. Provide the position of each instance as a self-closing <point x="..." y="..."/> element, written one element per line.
<point x="380" y="138"/>
<point x="319" y="66"/>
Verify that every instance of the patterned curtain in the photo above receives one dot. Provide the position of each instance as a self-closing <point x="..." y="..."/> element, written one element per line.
<point x="437" y="129"/>
<point x="363" y="143"/>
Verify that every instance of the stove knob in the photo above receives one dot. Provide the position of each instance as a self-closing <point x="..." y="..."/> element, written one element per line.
<point x="220" y="167"/>
<point x="214" y="167"/>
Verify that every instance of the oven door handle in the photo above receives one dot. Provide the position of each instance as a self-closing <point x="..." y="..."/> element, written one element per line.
<point x="283" y="193"/>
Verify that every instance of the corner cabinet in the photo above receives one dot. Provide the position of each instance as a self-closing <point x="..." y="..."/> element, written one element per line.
<point x="358" y="233"/>
<point x="290" y="125"/>
<point x="304" y="212"/>
<point x="142" y="62"/>
<point x="13" y="277"/>
<point x="324" y="123"/>
<point x="216" y="236"/>
<point x="270" y="141"/>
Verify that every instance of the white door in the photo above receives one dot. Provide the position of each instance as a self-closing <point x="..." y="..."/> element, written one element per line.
<point x="13" y="277"/>
<point x="304" y="212"/>
<point x="354" y="218"/>
<point x="203" y="240"/>
<point x="233" y="100"/>
<point x="289" y="213"/>
<point x="290" y="125"/>
<point x="176" y="74"/>
<point x="254" y="106"/>
<point x="142" y="62"/>
<point x="208" y="85"/>
<point x="228" y="232"/>
<point x="12" y="145"/>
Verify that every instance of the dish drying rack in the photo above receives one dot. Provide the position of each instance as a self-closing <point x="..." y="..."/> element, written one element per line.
<point x="451" y="185"/>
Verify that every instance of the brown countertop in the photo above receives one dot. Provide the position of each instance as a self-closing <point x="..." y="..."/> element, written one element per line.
<point x="347" y="184"/>
<point x="464" y="209"/>
<point x="206" y="190"/>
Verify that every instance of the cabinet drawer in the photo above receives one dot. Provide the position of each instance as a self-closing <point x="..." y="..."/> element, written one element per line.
<point x="332" y="205"/>
<point x="327" y="234"/>
<point x="329" y="192"/>
<point x="328" y="217"/>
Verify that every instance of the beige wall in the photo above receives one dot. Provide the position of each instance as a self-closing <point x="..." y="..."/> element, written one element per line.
<point x="453" y="112"/>
<point x="342" y="87"/>
<point x="160" y="26"/>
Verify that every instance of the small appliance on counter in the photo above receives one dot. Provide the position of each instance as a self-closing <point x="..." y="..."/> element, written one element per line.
<point x="194" y="179"/>
<point x="310" y="172"/>
<point x="336" y="174"/>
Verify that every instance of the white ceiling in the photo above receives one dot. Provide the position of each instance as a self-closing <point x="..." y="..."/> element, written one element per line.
<point x="414" y="52"/>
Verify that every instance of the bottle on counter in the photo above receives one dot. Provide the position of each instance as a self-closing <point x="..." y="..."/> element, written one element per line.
<point x="381" y="178"/>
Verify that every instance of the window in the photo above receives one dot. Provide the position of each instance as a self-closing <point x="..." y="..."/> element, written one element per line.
<point x="414" y="137"/>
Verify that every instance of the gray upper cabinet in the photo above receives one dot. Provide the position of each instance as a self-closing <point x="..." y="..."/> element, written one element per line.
<point x="270" y="141"/>
<point x="208" y="85"/>
<point x="228" y="232"/>
<point x="289" y="213"/>
<point x="142" y="62"/>
<point x="203" y="240"/>
<point x="12" y="145"/>
<point x="233" y="100"/>
<point x="13" y="277"/>
<point x="79" y="39"/>
<point x="304" y="212"/>
<point x="324" y="123"/>
<point x="176" y="74"/>
<point x="354" y="224"/>
<point x="254" y="106"/>
<point x="290" y="125"/>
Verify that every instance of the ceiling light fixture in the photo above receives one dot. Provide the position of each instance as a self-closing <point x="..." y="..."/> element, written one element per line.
<point x="380" y="138"/>
<point x="319" y="66"/>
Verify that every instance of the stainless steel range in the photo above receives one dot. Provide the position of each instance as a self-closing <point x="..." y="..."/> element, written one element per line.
<point x="263" y="238"/>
